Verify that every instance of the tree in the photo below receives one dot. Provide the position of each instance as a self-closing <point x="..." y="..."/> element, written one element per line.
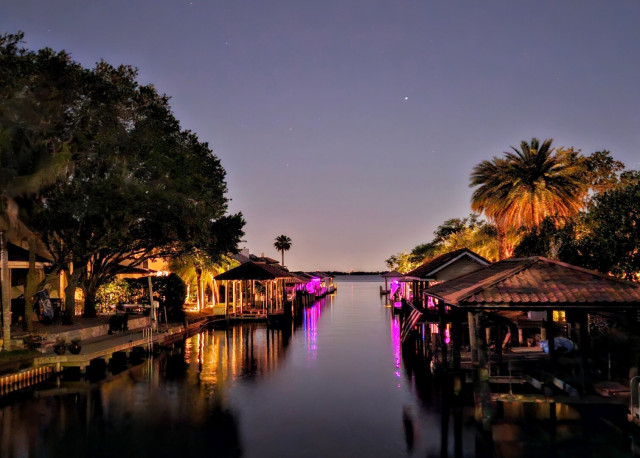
<point x="196" y="268"/>
<point x="455" y="233"/>
<point x="527" y="185"/>
<point x="282" y="244"/>
<point x="611" y="243"/>
<point x="140" y="186"/>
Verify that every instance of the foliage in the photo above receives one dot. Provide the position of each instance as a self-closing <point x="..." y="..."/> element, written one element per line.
<point x="605" y="237"/>
<point x="140" y="186"/>
<point x="114" y="293"/>
<point x="193" y="268"/>
<point x="169" y="291"/>
<point x="479" y="237"/>
<point x="470" y="232"/>
<point x="282" y="244"/>
<point x="612" y="240"/>
<point x="527" y="185"/>
<point x="553" y="239"/>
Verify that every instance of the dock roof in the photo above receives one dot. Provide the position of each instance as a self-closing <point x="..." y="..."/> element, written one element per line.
<point x="392" y="274"/>
<point x="537" y="283"/>
<point x="256" y="271"/>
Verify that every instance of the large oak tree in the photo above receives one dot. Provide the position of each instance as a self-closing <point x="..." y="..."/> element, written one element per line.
<point x="140" y="186"/>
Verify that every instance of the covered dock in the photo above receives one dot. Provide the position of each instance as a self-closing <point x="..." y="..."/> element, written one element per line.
<point x="255" y="290"/>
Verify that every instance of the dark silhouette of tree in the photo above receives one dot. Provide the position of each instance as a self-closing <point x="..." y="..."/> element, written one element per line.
<point x="282" y="244"/>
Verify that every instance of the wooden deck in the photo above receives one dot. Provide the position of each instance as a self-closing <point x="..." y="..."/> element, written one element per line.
<point x="104" y="347"/>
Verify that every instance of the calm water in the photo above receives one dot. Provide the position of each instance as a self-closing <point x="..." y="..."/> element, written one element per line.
<point x="332" y="385"/>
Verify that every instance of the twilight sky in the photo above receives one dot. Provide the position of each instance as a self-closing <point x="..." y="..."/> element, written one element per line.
<point x="352" y="126"/>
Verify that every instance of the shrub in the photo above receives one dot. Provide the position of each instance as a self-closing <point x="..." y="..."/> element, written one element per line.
<point x="114" y="293"/>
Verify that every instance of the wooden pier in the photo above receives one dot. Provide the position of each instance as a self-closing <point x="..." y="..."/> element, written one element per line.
<point x="105" y="347"/>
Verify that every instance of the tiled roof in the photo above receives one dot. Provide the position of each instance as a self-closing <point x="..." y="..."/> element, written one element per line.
<point x="536" y="282"/>
<point x="427" y="269"/>
<point x="255" y="271"/>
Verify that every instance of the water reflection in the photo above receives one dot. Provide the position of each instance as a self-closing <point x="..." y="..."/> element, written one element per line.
<point x="310" y="322"/>
<point x="397" y="346"/>
<point x="172" y="405"/>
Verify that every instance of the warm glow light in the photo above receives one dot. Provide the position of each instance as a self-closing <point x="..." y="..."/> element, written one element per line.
<point x="559" y="315"/>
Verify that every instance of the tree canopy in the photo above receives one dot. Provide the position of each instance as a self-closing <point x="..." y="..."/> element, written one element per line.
<point x="139" y="187"/>
<point x="282" y="244"/>
<point x="527" y="185"/>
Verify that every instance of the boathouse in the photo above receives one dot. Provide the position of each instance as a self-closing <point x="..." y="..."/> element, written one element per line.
<point x="392" y="277"/>
<point x="519" y="301"/>
<point x="255" y="290"/>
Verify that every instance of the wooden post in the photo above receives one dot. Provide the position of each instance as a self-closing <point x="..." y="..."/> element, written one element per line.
<point x="226" y="299"/>
<point x="456" y="338"/>
<point x="5" y="280"/>
<point x="154" y="318"/>
<point x="442" y="326"/>
<point x="473" y="341"/>
<point x="550" y="333"/>
<point x="484" y="408"/>
<point x="233" y="282"/>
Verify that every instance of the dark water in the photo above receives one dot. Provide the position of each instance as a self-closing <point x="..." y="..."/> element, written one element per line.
<point x="332" y="385"/>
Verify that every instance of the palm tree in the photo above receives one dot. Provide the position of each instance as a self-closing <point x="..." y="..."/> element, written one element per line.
<point x="527" y="185"/>
<point x="282" y="244"/>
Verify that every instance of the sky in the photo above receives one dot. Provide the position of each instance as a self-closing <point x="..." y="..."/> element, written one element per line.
<point x="353" y="126"/>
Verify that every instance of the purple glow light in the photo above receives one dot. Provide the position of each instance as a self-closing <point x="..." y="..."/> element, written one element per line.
<point x="395" y="285"/>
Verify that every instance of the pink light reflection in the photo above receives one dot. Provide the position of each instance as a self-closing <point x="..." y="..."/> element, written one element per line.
<point x="396" y="342"/>
<point x="310" y="327"/>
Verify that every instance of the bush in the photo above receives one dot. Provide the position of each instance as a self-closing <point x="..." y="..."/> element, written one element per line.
<point x="170" y="292"/>
<point x="114" y="293"/>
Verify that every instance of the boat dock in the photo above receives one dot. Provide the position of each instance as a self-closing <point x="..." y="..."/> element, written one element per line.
<point x="104" y="347"/>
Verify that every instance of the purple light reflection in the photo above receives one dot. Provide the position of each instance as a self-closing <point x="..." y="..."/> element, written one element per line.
<point x="396" y="342"/>
<point x="310" y="326"/>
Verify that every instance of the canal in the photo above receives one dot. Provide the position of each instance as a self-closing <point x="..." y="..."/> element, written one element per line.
<point x="330" y="385"/>
<point x="334" y="384"/>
